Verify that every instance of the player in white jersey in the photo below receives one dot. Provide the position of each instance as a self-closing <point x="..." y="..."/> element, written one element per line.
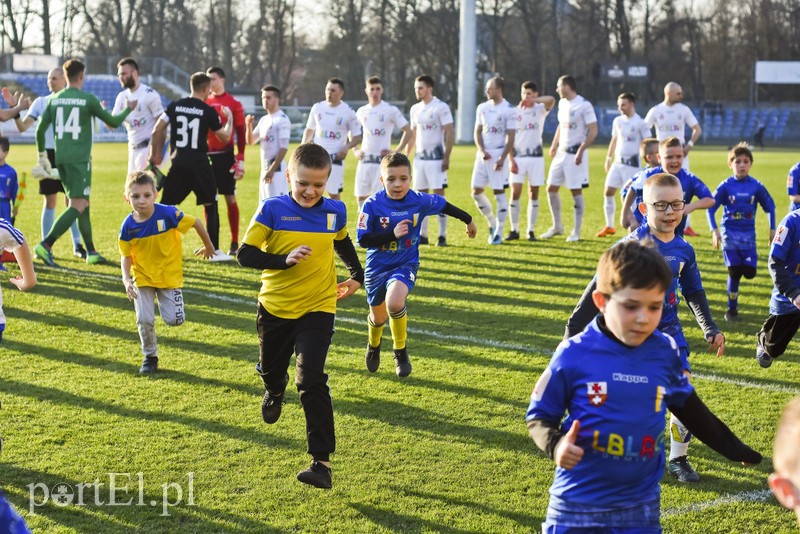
<point x="670" y="119"/>
<point x="141" y="121"/>
<point x="622" y="160"/>
<point x="577" y="130"/>
<point x="495" y="130"/>
<point x="528" y="157"/>
<point x="378" y="120"/>
<point x="333" y="125"/>
<point x="273" y="130"/>
<point x="432" y="139"/>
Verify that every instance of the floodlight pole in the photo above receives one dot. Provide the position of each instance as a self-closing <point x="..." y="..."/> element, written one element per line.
<point x="467" y="50"/>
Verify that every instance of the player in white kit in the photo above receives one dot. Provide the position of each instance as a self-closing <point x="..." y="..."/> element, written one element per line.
<point x="273" y="131"/>
<point x="495" y="130"/>
<point x="622" y="160"/>
<point x="670" y="119"/>
<point x="141" y="120"/>
<point x="333" y="125"/>
<point x="432" y="137"/>
<point x="577" y="130"/>
<point x="528" y="157"/>
<point x="378" y="120"/>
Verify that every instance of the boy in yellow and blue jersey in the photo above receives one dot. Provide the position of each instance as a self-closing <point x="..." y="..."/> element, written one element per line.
<point x="291" y="239"/>
<point x="150" y="242"/>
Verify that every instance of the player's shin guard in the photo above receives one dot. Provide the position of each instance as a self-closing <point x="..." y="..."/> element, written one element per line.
<point x="61" y="225"/>
<point x="211" y="212"/>
<point x="733" y="291"/>
<point x="85" y="226"/>
<point x="513" y="208"/>
<point x="533" y="214"/>
<point x="375" y="332"/>
<point x="610" y="206"/>
<point x="502" y="211"/>
<point x="485" y="207"/>
<point x="233" y="221"/>
<point x="555" y="209"/>
<point x="398" y="322"/>
<point x="442" y="225"/>
<point x="679" y="438"/>
<point x="578" y="213"/>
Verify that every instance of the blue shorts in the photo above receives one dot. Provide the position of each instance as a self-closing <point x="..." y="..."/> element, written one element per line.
<point x="377" y="283"/>
<point x="566" y="518"/>
<point x="735" y="258"/>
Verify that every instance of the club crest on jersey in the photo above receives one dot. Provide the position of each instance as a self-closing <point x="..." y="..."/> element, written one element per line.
<point x="597" y="392"/>
<point x="780" y="235"/>
<point x="384" y="222"/>
<point x="362" y="221"/>
<point x="162" y="225"/>
<point x="732" y="199"/>
<point x="416" y="219"/>
<point x="331" y="221"/>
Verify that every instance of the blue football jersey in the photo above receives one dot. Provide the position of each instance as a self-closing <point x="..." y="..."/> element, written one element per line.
<point x="786" y="247"/>
<point x="691" y="184"/>
<point x="619" y="394"/>
<point x="9" y="187"/>
<point x="739" y="200"/>
<point x="380" y="214"/>
<point x="793" y="184"/>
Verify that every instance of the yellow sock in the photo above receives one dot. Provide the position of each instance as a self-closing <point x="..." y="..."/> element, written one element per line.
<point x="399" y="325"/>
<point x="375" y="332"/>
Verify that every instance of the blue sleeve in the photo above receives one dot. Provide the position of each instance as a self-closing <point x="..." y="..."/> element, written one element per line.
<point x="434" y="204"/>
<point x="551" y="395"/>
<point x="784" y="239"/>
<point x="719" y="199"/>
<point x="679" y="389"/>
<point x="366" y="221"/>
<point x="699" y="189"/>
<point x="14" y="185"/>
<point x="264" y="215"/>
<point x="689" y="277"/>
<point x="793" y="182"/>
<point x="767" y="204"/>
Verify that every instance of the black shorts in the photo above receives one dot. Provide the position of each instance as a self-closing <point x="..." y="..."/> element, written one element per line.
<point x="49" y="186"/>
<point x="777" y="332"/>
<point x="221" y="164"/>
<point x="187" y="177"/>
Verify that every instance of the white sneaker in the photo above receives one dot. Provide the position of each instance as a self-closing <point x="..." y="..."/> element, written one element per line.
<point x="220" y="256"/>
<point x="573" y="237"/>
<point x="551" y="232"/>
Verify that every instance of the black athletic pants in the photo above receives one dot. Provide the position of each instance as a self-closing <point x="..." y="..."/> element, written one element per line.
<point x="777" y="332"/>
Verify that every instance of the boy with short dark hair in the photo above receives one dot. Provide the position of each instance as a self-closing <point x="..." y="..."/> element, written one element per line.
<point x="150" y="243"/>
<point x="389" y="227"/>
<point x="785" y="480"/>
<point x="739" y="196"/>
<point x="291" y="239"/>
<point x="615" y="380"/>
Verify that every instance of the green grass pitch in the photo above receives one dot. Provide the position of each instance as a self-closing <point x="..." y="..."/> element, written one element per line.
<point x="444" y="451"/>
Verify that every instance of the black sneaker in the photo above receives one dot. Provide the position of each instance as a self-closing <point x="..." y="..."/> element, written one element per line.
<point x="732" y="315"/>
<point x="271" y="406"/>
<point x="423" y="240"/>
<point x="442" y="241"/>
<point x="317" y="475"/>
<point x="679" y="468"/>
<point x="149" y="366"/>
<point x="512" y="235"/>
<point x="234" y="249"/>
<point x="373" y="357"/>
<point x="402" y="363"/>
<point x="79" y="252"/>
<point x="764" y="359"/>
<point x="531" y="236"/>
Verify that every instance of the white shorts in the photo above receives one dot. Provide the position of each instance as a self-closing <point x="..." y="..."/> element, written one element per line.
<point x="563" y="171"/>
<point x="336" y="179"/>
<point x="619" y="174"/>
<point x="368" y="179"/>
<point x="277" y="187"/>
<point x="483" y="173"/>
<point x="428" y="174"/>
<point x="137" y="159"/>
<point x="533" y="168"/>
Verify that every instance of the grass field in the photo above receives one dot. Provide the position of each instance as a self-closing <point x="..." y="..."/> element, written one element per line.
<point x="444" y="451"/>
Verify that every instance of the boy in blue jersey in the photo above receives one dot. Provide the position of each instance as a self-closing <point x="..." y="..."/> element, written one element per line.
<point x="629" y="218"/>
<point x="389" y="227"/>
<point x="663" y="206"/>
<point x="793" y="186"/>
<point x="13" y="241"/>
<point x="670" y="156"/>
<point x="785" y="480"/>
<point x="740" y="196"/>
<point x="9" y="185"/>
<point x="615" y="380"/>
<point x="151" y="246"/>
<point x="291" y="239"/>
<point x="784" y="304"/>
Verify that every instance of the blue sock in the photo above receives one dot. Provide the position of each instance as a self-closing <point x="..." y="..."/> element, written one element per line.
<point x="733" y="292"/>
<point x="48" y="218"/>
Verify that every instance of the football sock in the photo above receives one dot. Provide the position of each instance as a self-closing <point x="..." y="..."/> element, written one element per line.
<point x="485" y="207"/>
<point x="48" y="218"/>
<point x="733" y="291"/>
<point x="211" y="212"/>
<point x="688" y="220"/>
<point x="514" y="212"/>
<point x="85" y="226"/>
<point x="442" y="225"/>
<point x="679" y="438"/>
<point x="610" y="205"/>
<point x="233" y="221"/>
<point x="578" y="213"/>
<point x="423" y="228"/>
<point x="555" y="209"/>
<point x="533" y="214"/>
<point x="375" y="332"/>
<point x="360" y="203"/>
<point x="502" y="212"/>
<point x="61" y="225"/>
<point x="398" y="322"/>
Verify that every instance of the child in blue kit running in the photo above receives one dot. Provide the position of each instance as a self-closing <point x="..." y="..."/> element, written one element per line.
<point x="389" y="227"/>
<point x="739" y="195"/>
<point x="615" y="380"/>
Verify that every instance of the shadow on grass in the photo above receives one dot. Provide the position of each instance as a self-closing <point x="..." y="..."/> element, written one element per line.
<point x="408" y="524"/>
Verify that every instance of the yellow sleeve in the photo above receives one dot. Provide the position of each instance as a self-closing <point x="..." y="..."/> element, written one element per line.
<point x="125" y="248"/>
<point x="186" y="224"/>
<point x="257" y="235"/>
<point x="341" y="234"/>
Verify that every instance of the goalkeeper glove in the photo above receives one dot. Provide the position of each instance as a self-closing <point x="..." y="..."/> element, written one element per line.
<point x="44" y="161"/>
<point x="238" y="167"/>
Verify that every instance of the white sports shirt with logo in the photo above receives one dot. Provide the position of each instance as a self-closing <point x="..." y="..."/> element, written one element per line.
<point x="530" y="126"/>
<point x="429" y="121"/>
<point x="495" y="120"/>
<point x="274" y="130"/>
<point x="670" y="120"/>
<point x="35" y="111"/>
<point x="629" y="131"/>
<point x="141" y="120"/>
<point x="331" y="125"/>
<point x="574" y="118"/>
<point x="377" y="124"/>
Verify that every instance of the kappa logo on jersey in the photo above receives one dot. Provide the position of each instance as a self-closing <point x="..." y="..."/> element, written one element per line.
<point x="331" y="221"/>
<point x="384" y="222"/>
<point x="161" y="224"/>
<point x="780" y="235"/>
<point x="598" y="392"/>
<point x="362" y="221"/>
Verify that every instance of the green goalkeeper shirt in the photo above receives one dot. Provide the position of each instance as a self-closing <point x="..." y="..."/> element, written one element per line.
<point x="70" y="111"/>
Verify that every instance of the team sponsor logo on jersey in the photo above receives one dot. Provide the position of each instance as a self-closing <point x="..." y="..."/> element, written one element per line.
<point x="289" y="218"/>
<point x="541" y="385"/>
<point x="362" y="221"/>
<point x="331" y="221"/>
<point x="377" y="132"/>
<point x="384" y="222"/>
<point x="631" y="379"/>
<point x="780" y="235"/>
<point x="598" y="392"/>
<point x="161" y="225"/>
<point x="614" y="444"/>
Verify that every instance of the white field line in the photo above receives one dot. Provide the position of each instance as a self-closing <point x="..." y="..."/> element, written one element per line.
<point x="731" y="498"/>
